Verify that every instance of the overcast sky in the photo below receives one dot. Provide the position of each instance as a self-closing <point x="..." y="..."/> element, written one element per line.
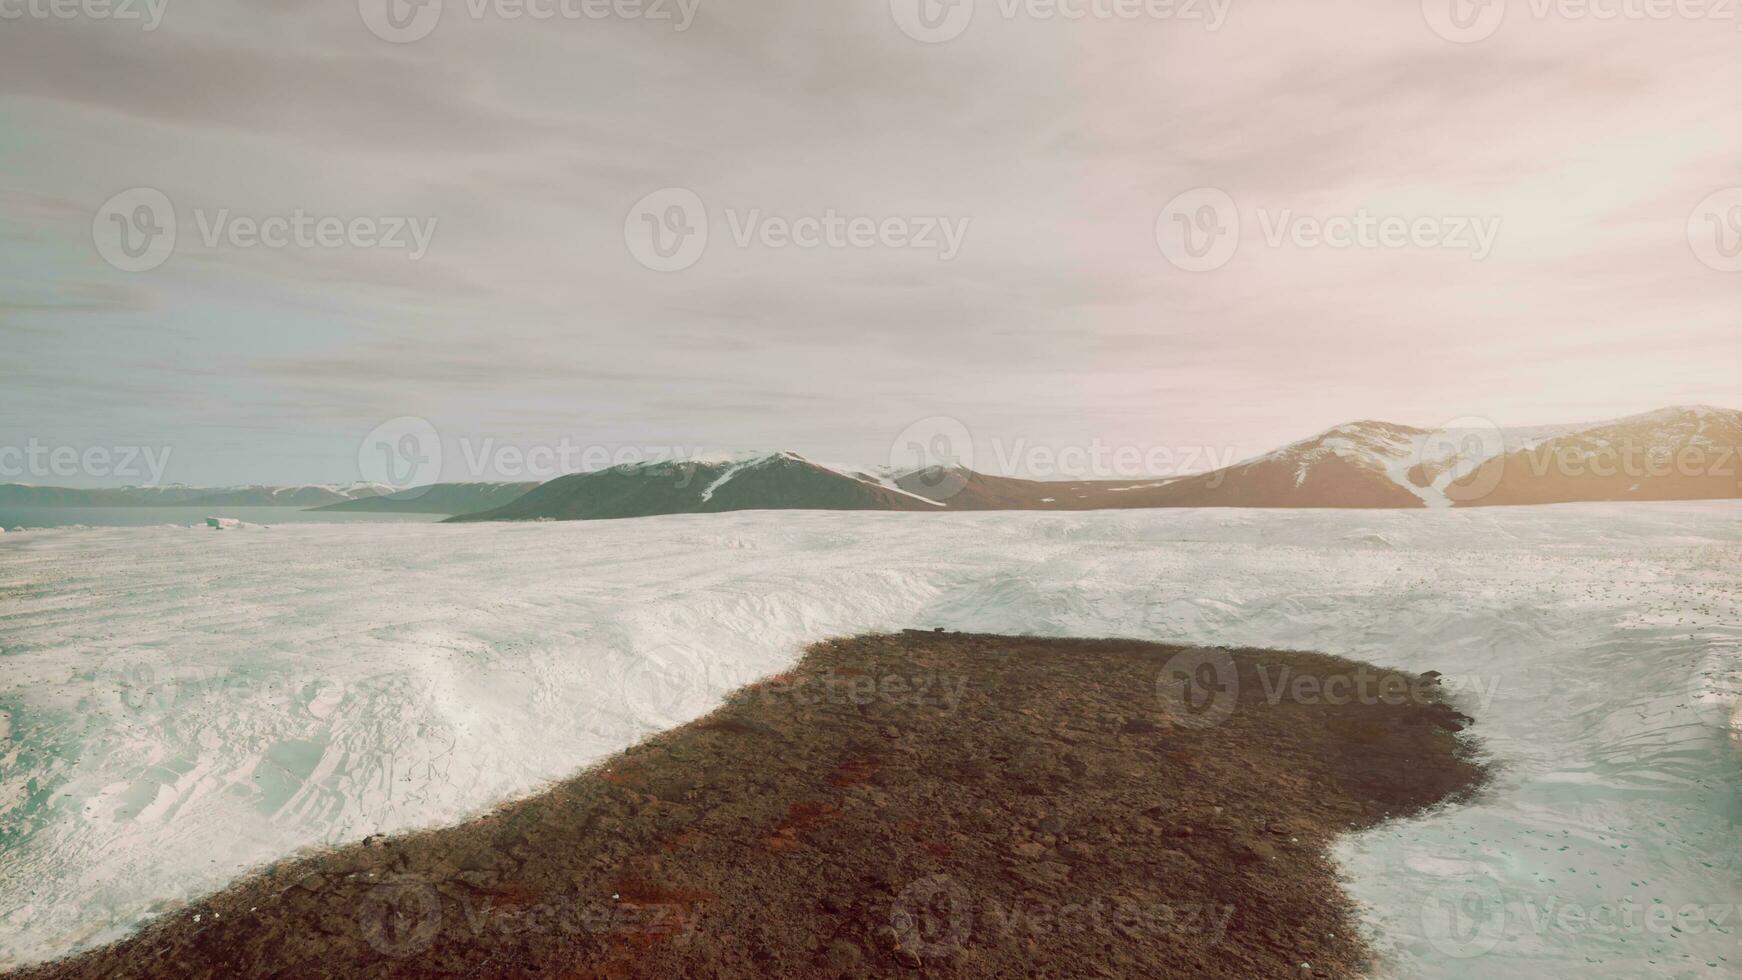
<point x="1582" y="148"/>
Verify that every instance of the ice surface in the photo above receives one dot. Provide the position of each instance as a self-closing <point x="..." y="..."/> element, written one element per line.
<point x="178" y="706"/>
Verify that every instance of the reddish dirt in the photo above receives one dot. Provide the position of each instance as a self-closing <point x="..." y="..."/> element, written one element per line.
<point x="931" y="804"/>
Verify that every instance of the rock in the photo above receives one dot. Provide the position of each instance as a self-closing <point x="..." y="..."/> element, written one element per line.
<point x="1029" y="849"/>
<point x="1050" y="825"/>
<point x="890" y="731"/>
<point x="482" y="859"/>
<point x="1256" y="850"/>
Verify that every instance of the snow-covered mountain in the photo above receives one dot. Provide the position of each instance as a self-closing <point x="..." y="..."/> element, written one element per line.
<point x="437" y="498"/>
<point x="1684" y="453"/>
<point x="1687" y="453"/>
<point x="27" y="495"/>
<point x="309" y="495"/>
<point x="771" y="481"/>
<point x="1672" y="454"/>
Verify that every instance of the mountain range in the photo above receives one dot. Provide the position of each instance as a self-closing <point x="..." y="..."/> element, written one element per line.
<point x="1682" y="453"/>
<point x="438" y="498"/>
<point x="177" y="495"/>
<point x="1674" y="454"/>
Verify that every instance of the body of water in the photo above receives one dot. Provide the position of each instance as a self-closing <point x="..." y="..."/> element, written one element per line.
<point x="13" y="518"/>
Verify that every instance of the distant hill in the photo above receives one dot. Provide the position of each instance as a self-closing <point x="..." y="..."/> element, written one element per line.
<point x="1682" y="453"/>
<point x="306" y="497"/>
<point x="1673" y="454"/>
<point x="439" y="498"/>
<point x="313" y="495"/>
<point x="776" y="481"/>
<point x="24" y="495"/>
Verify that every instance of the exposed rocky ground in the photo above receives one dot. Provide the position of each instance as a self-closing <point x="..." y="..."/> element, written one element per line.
<point x="928" y="804"/>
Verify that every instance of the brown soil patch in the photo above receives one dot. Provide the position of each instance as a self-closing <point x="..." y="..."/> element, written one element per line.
<point x="936" y="804"/>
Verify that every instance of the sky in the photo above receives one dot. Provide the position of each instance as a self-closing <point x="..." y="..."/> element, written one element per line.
<point x="1198" y="227"/>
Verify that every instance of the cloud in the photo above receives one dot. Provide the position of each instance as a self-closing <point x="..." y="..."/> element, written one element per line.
<point x="1056" y="142"/>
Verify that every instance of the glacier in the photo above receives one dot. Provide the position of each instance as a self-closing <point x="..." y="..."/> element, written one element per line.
<point x="178" y="707"/>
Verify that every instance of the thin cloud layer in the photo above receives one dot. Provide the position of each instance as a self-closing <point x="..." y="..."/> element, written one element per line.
<point x="525" y="146"/>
